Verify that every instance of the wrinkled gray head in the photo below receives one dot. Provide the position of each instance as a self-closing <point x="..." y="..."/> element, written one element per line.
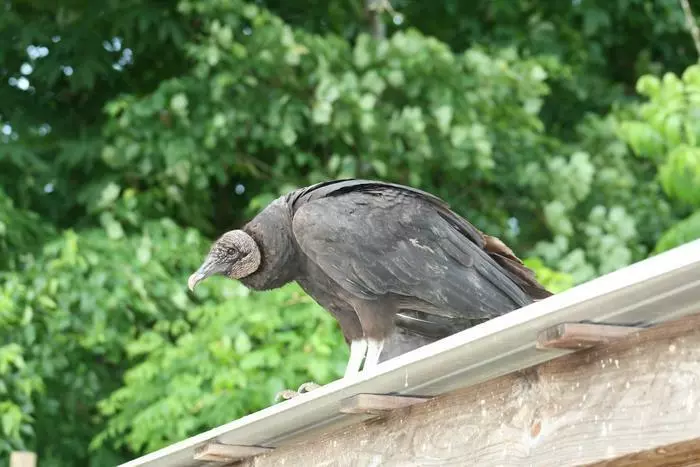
<point x="234" y="255"/>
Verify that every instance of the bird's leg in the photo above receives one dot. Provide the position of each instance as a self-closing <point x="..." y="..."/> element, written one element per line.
<point x="374" y="350"/>
<point x="358" y="350"/>
<point x="377" y="320"/>
<point x="361" y="349"/>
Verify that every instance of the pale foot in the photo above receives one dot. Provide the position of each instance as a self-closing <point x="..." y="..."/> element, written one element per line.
<point x="289" y="394"/>
<point x="306" y="387"/>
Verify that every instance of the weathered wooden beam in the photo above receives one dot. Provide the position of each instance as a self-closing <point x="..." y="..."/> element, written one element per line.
<point x="575" y="336"/>
<point x="378" y="404"/>
<point x="219" y="452"/>
<point x="682" y="454"/>
<point x="636" y="393"/>
<point x="22" y="459"/>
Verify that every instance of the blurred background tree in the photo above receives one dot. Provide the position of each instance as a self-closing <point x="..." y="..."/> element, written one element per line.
<point x="132" y="133"/>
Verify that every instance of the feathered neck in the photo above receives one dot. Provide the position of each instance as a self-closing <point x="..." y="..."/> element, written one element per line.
<point x="272" y="231"/>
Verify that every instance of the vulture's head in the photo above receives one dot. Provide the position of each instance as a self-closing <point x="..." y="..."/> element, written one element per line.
<point x="234" y="255"/>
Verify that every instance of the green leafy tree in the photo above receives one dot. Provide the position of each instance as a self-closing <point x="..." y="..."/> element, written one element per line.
<point x="666" y="131"/>
<point x="231" y="358"/>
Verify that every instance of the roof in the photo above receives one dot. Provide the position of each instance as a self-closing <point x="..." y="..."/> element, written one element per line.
<point x="660" y="288"/>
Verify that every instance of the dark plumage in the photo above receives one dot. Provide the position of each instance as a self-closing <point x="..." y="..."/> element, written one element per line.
<point x="392" y="263"/>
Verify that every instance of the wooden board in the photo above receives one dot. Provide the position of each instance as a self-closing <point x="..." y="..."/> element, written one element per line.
<point x="576" y="336"/>
<point x="683" y="454"/>
<point x="378" y="404"/>
<point x="224" y="453"/>
<point x="636" y="394"/>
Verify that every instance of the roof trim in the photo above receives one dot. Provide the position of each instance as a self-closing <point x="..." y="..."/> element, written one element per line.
<point x="655" y="290"/>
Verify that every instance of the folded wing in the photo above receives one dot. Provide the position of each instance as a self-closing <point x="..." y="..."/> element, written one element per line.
<point x="376" y="239"/>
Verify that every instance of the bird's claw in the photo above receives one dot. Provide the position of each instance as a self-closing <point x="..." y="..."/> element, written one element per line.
<point x="285" y="395"/>
<point x="306" y="387"/>
<point x="289" y="394"/>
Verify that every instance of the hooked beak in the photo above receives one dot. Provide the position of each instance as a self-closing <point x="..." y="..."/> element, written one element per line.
<point x="213" y="265"/>
<point x="205" y="270"/>
<point x="194" y="279"/>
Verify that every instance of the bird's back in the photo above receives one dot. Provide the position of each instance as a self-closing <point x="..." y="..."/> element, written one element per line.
<point x="498" y="251"/>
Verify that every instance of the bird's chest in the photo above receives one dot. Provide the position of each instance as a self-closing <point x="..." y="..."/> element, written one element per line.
<point x="333" y="299"/>
<point x="323" y="289"/>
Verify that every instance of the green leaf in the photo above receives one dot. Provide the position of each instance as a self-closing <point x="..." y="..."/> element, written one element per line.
<point x="685" y="231"/>
<point x="111" y="225"/>
<point x="179" y="103"/>
<point x="288" y="135"/>
<point x="649" y="85"/>
<point x="242" y="344"/>
<point x="109" y="194"/>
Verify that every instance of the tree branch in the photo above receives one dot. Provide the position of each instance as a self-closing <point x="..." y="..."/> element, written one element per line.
<point x="692" y="24"/>
<point x="375" y="8"/>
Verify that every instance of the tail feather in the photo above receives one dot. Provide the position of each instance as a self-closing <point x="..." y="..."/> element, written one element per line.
<point x="516" y="269"/>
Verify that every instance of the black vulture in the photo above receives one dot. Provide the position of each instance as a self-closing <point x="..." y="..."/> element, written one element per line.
<point x="394" y="265"/>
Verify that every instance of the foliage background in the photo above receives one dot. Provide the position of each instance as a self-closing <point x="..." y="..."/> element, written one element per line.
<point x="132" y="133"/>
